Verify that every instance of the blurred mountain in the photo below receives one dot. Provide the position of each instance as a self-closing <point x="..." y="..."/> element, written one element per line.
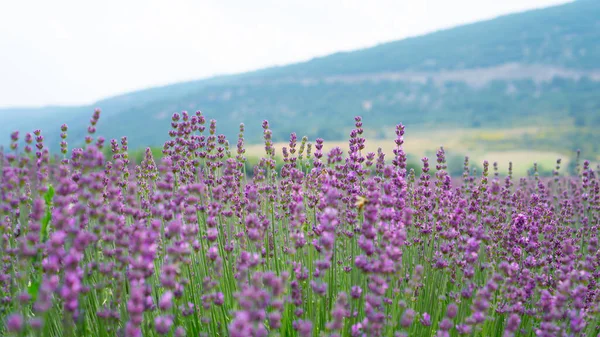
<point x="535" y="68"/>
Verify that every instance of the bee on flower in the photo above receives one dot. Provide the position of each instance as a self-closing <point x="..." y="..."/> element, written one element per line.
<point x="361" y="202"/>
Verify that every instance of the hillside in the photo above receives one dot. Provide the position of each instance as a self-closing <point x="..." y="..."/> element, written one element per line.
<point x="537" y="68"/>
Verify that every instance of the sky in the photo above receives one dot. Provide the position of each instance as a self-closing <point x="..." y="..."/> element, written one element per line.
<point x="72" y="52"/>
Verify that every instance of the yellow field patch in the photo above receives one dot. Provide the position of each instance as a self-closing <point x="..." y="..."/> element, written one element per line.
<point x="457" y="143"/>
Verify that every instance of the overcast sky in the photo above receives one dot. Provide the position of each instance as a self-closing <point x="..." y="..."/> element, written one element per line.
<point x="76" y="52"/>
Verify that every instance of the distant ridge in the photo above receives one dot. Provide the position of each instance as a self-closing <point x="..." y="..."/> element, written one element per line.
<point x="539" y="67"/>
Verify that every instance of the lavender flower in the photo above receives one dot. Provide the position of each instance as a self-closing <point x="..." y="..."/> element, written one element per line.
<point x="330" y="241"/>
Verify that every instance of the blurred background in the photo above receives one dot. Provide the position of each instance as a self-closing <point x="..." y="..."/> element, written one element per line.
<point x="497" y="80"/>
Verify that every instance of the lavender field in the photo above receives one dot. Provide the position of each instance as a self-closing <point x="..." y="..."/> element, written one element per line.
<point x="332" y="244"/>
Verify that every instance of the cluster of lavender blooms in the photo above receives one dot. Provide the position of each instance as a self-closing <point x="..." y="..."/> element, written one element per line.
<point x="333" y="244"/>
